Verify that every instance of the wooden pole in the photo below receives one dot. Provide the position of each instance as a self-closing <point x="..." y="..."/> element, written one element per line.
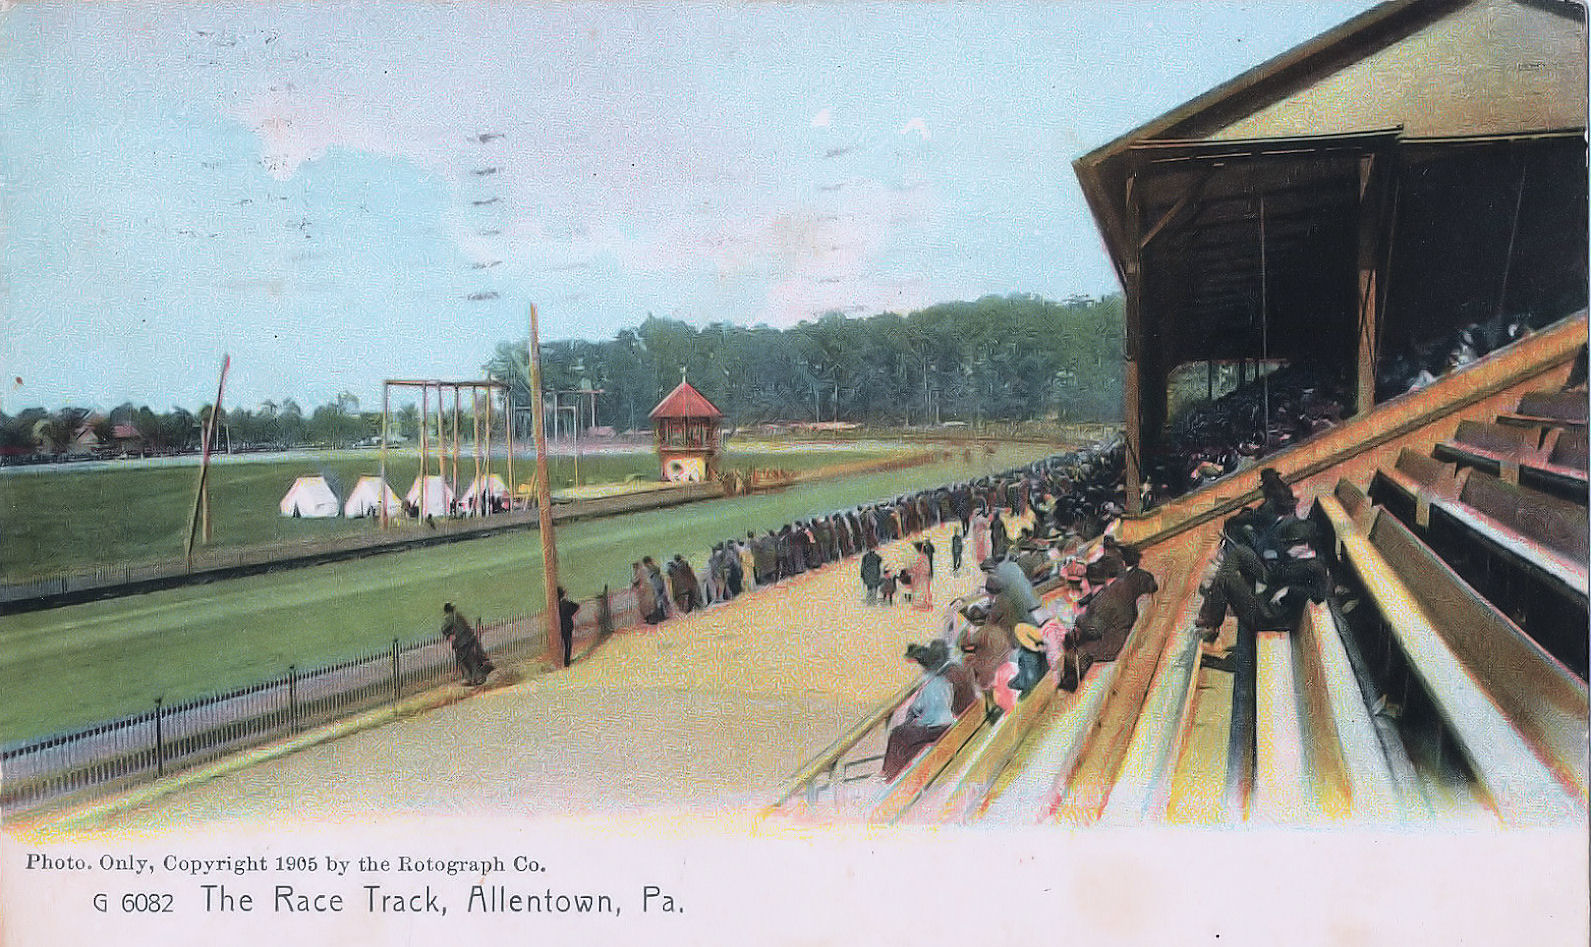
<point x="1372" y="190"/>
<point x="508" y="429"/>
<point x="458" y="400"/>
<point x="381" y="489"/>
<point x="549" y="546"/>
<point x="206" y="436"/>
<point x="475" y="449"/>
<point x="1132" y="395"/>
<point x="425" y="433"/>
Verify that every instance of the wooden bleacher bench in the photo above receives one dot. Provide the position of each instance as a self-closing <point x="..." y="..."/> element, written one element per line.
<point x="1556" y="462"/>
<point x="900" y="794"/>
<point x="1352" y="772"/>
<point x="1532" y="546"/>
<point x="968" y="792"/>
<point x="1283" y="791"/>
<point x="1543" y="699"/>
<point x="1569" y="451"/>
<point x="1543" y="532"/>
<point x="1564" y="408"/>
<point x="1517" y="715"/>
<point x="1412" y="483"/>
<point x="1548" y="409"/>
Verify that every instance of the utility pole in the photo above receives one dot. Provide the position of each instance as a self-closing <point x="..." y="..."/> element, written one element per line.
<point x="201" y="501"/>
<point x="549" y="547"/>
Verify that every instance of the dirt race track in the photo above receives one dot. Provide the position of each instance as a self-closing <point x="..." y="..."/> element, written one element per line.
<point x="707" y="713"/>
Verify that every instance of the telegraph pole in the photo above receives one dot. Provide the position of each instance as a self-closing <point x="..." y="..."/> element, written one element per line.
<point x="549" y="547"/>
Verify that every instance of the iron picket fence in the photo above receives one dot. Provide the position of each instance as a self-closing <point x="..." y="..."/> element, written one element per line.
<point x="119" y="753"/>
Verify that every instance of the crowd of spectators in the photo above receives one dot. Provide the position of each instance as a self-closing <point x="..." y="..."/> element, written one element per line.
<point x="1002" y="642"/>
<point x="1234" y="431"/>
<point x="1423" y="361"/>
<point x="1074" y="493"/>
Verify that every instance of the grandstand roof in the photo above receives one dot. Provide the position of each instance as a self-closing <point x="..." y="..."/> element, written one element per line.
<point x="1416" y="169"/>
<point x="685" y="402"/>
<point x="1428" y="68"/>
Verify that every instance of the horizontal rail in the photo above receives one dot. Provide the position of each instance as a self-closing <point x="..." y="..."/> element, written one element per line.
<point x="910" y="784"/>
<point x="829" y="756"/>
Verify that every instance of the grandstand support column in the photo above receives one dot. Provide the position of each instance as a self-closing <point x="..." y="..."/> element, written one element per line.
<point x="1372" y="245"/>
<point x="549" y="547"/>
<point x="1132" y="400"/>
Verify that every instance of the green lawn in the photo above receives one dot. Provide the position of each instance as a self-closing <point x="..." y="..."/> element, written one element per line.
<point x="76" y="519"/>
<point x="71" y="666"/>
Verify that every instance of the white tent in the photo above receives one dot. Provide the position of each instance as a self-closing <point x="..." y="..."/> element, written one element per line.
<point x="310" y="496"/>
<point x="439" y="496"/>
<point x="492" y="486"/>
<point x="367" y="496"/>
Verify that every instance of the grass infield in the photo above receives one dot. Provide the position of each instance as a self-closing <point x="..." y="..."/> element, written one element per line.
<point x="78" y="519"/>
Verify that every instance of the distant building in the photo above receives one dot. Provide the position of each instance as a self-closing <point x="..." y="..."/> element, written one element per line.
<point x="685" y="429"/>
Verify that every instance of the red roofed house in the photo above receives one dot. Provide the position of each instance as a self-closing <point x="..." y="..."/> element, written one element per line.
<point x="685" y="428"/>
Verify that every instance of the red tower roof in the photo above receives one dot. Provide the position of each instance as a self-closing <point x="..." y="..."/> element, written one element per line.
<point x="685" y="402"/>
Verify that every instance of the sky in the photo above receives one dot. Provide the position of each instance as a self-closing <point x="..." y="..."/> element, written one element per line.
<point x="336" y="193"/>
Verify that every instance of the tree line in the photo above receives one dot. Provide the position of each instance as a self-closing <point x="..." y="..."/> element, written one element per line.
<point x="1007" y="358"/>
<point x="999" y="358"/>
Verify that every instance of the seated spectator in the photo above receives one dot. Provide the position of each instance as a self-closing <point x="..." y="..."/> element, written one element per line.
<point x="1234" y="584"/>
<point x="1102" y="629"/>
<point x="1031" y="660"/>
<point x="1108" y="564"/>
<point x="947" y="692"/>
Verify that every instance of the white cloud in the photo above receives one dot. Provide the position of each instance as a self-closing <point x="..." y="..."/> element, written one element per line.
<point x="915" y="125"/>
<point x="823" y="119"/>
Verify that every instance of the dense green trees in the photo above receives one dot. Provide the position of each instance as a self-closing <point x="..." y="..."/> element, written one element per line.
<point x="1005" y="358"/>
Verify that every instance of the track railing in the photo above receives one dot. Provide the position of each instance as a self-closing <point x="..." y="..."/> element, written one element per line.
<point x="125" y="751"/>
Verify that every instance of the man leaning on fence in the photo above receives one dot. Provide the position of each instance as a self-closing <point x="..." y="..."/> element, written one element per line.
<point x="466" y="646"/>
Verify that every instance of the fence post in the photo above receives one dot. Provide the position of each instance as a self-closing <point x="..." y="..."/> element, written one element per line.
<point x="160" y="743"/>
<point x="292" y="698"/>
<point x="397" y="674"/>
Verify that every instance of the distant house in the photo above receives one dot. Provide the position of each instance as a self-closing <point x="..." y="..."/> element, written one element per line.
<point x="85" y="441"/>
<point x="127" y="439"/>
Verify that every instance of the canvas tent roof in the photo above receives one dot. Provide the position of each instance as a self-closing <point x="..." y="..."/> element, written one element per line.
<point x="439" y="496"/>
<point x="493" y="486"/>
<point x="310" y="496"/>
<point x="366" y="497"/>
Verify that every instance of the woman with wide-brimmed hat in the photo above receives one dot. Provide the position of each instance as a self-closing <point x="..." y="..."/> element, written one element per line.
<point x="944" y="695"/>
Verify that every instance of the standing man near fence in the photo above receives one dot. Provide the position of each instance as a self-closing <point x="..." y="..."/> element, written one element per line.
<point x="467" y="648"/>
<point x="566" y="623"/>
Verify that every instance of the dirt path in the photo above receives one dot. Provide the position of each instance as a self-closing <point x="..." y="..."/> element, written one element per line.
<point x="704" y="713"/>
